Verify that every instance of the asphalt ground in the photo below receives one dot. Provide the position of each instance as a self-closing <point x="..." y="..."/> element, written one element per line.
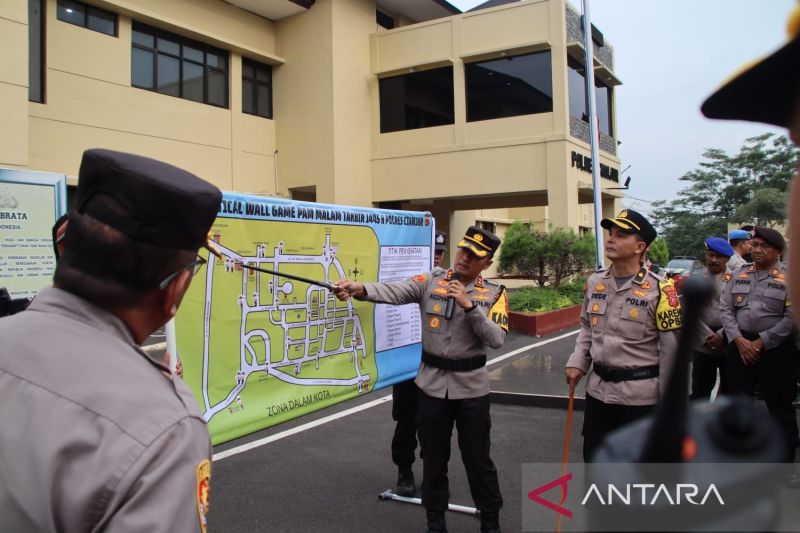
<point x="327" y="478"/>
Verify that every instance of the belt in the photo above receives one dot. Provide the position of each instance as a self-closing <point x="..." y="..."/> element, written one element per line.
<point x="615" y="375"/>
<point x="750" y="335"/>
<point x="454" y="365"/>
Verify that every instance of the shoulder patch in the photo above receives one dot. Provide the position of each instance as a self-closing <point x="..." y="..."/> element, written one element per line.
<point x="203" y="473"/>
<point x="727" y="277"/>
<point x="499" y="311"/>
<point x="668" y="312"/>
<point x="420" y="278"/>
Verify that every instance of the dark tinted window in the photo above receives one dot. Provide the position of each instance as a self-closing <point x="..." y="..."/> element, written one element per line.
<point x="509" y="86"/>
<point x="256" y="88"/>
<point x="173" y="65"/>
<point x="35" y="56"/>
<point x="577" y="97"/>
<point x="417" y="100"/>
<point x="87" y="16"/>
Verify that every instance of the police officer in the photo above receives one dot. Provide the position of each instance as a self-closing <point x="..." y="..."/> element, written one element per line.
<point x="628" y="331"/>
<point x="739" y="240"/>
<point x="463" y="314"/>
<point x="98" y="436"/>
<point x="709" y="356"/>
<point x="404" y="408"/>
<point x="756" y="315"/>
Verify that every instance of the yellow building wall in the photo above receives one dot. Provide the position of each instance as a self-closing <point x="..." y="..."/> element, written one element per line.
<point x="90" y="101"/>
<point x="13" y="82"/>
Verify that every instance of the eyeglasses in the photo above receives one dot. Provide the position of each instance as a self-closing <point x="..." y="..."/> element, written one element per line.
<point x="194" y="266"/>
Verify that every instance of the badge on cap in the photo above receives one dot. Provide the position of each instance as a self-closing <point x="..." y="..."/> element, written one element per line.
<point x="623" y="214"/>
<point x="478" y="237"/>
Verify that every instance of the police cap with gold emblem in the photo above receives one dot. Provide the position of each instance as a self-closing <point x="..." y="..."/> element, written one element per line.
<point x="632" y="222"/>
<point x="480" y="242"/>
<point x="766" y="91"/>
<point x="166" y="206"/>
<point x="770" y="236"/>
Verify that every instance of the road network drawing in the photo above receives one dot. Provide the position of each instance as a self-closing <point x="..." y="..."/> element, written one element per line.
<point x="305" y="327"/>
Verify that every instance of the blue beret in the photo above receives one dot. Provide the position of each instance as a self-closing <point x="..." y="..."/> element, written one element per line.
<point x="739" y="235"/>
<point x="720" y="245"/>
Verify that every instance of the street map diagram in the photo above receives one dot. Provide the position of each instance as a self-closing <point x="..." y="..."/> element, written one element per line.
<point x="266" y="331"/>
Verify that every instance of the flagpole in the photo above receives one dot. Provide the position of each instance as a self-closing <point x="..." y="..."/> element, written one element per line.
<point x="594" y="133"/>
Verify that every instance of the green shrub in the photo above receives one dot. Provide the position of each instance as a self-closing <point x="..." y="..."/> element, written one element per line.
<point x="546" y="298"/>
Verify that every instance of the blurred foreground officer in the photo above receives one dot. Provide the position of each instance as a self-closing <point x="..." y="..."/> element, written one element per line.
<point x="628" y="333"/>
<point x="756" y="314"/>
<point x="404" y="407"/>
<point x="709" y="357"/>
<point x="769" y="91"/>
<point x="97" y="436"/>
<point x="452" y="377"/>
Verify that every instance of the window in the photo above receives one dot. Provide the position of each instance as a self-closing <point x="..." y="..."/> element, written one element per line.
<point x="36" y="51"/>
<point x="577" y="97"/>
<point x="417" y="100"/>
<point x="383" y="20"/>
<point x="170" y="64"/>
<point x="488" y="226"/>
<point x="87" y="16"/>
<point x="509" y="86"/>
<point x="256" y="88"/>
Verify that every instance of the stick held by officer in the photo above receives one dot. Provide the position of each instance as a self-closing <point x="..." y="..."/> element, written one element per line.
<point x="452" y="377"/>
<point x="97" y="435"/>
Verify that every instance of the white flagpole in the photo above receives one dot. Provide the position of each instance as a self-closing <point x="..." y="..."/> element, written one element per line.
<point x="594" y="133"/>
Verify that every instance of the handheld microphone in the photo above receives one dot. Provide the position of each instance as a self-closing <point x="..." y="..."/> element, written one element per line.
<point x="451" y="302"/>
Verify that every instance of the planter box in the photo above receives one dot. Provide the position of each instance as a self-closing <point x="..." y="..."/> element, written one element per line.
<point x="545" y="322"/>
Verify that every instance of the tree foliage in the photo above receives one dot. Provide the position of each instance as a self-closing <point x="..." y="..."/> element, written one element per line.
<point x="745" y="187"/>
<point x="658" y="252"/>
<point x="553" y="256"/>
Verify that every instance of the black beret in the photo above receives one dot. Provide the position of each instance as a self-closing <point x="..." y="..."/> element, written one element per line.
<point x="632" y="222"/>
<point x="479" y="241"/>
<point x="770" y="236"/>
<point x="166" y="206"/>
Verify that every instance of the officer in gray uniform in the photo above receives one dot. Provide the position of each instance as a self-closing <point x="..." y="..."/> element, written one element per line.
<point x="756" y="314"/>
<point x="463" y="314"/>
<point x="709" y="356"/>
<point x="629" y="322"/>
<point x="404" y="408"/>
<point x="96" y="435"/>
<point x="739" y="240"/>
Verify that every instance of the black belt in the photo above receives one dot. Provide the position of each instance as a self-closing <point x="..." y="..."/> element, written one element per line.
<point x="750" y="335"/>
<point x="613" y="374"/>
<point x="454" y="365"/>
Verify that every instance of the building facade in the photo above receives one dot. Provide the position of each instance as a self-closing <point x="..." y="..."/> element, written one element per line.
<point x="476" y="117"/>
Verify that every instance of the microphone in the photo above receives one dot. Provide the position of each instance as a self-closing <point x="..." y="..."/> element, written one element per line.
<point x="451" y="302"/>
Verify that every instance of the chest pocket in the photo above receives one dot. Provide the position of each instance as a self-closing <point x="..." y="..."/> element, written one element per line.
<point x="775" y="293"/>
<point x="740" y="300"/>
<point x="633" y="322"/>
<point x="435" y="307"/>
<point x="596" y="307"/>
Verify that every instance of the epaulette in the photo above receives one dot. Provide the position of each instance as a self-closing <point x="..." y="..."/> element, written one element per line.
<point x="659" y="277"/>
<point x="487" y="281"/>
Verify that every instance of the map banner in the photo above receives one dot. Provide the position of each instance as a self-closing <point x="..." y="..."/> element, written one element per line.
<point x="30" y="203"/>
<point x="259" y="349"/>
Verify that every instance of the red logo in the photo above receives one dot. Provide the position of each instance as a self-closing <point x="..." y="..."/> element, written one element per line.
<point x="671" y="294"/>
<point x="562" y="482"/>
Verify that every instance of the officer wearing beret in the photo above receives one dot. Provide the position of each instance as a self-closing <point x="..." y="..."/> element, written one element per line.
<point x="629" y="322"/>
<point x="404" y="408"/>
<point x="463" y="314"/>
<point x="98" y="436"/>
<point x="709" y="356"/>
<point x="756" y="314"/>
<point x="739" y="240"/>
<point x="769" y="91"/>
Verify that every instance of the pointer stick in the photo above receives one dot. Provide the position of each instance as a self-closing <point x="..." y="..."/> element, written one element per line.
<point x="290" y="276"/>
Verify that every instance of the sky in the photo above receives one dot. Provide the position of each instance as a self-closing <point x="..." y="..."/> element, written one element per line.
<point x="670" y="55"/>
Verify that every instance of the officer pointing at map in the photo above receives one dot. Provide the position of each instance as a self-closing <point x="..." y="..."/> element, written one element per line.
<point x="452" y="377"/>
<point x="97" y="436"/>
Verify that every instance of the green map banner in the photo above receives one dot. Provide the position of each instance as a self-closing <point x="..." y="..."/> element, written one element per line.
<point x="259" y="349"/>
